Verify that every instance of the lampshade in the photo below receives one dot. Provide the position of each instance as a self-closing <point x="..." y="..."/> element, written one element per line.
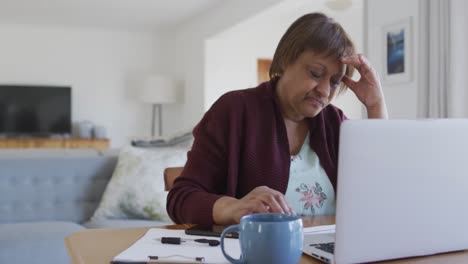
<point x="158" y="89"/>
<point x="338" y="5"/>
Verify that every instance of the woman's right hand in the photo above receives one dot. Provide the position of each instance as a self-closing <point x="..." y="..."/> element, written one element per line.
<point x="229" y="210"/>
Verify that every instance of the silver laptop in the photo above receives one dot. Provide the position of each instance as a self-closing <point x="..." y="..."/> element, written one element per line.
<point x="402" y="191"/>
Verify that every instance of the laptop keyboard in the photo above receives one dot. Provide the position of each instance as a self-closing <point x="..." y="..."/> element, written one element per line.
<point x="327" y="247"/>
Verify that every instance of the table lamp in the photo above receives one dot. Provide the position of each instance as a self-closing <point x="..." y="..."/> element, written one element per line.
<point x="338" y="5"/>
<point x="158" y="90"/>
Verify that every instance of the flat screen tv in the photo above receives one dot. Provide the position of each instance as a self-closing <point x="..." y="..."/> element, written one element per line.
<point x="35" y="111"/>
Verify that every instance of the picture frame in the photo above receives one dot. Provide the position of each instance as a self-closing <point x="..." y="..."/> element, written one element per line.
<point x="397" y="51"/>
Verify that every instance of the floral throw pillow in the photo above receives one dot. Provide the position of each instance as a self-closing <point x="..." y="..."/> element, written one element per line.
<point x="136" y="189"/>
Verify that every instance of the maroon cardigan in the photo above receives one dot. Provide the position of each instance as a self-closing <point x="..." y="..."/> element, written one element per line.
<point x="241" y="143"/>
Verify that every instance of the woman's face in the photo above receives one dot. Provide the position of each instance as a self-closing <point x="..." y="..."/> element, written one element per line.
<point x="309" y="84"/>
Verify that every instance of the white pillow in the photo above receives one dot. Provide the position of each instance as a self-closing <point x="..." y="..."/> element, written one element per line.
<point x="136" y="189"/>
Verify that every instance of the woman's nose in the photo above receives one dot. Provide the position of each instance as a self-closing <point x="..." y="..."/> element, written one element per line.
<point x="324" y="89"/>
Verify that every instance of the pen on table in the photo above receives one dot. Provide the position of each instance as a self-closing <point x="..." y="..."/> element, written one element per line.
<point x="178" y="241"/>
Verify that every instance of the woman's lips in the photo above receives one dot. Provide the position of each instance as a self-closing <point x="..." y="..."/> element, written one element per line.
<point x="315" y="101"/>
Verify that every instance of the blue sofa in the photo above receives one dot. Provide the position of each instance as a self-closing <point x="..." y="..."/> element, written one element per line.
<point x="46" y="195"/>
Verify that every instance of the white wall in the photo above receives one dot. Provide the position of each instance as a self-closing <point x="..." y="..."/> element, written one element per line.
<point x="103" y="67"/>
<point x="231" y="56"/>
<point x="188" y="58"/>
<point x="99" y="66"/>
<point x="401" y="98"/>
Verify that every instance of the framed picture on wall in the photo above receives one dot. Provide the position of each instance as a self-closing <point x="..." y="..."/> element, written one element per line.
<point x="397" y="51"/>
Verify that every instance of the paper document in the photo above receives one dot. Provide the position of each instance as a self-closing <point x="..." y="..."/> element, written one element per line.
<point x="186" y="252"/>
<point x="323" y="229"/>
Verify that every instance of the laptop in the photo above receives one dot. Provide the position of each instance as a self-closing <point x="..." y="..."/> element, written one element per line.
<point x="402" y="191"/>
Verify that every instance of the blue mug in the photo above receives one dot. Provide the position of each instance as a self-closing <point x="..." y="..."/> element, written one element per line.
<point x="267" y="238"/>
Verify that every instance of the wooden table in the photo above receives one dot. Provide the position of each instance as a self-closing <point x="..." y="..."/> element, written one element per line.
<point x="100" y="246"/>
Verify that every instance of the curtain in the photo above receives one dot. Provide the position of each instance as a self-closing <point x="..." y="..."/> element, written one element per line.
<point x="443" y="61"/>
<point x="458" y="94"/>
<point x="434" y="52"/>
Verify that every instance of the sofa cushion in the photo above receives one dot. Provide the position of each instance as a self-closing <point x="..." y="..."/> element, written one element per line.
<point x="52" y="187"/>
<point x="119" y="223"/>
<point x="136" y="189"/>
<point x="41" y="242"/>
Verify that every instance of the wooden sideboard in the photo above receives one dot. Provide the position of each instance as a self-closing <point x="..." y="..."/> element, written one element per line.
<point x="14" y="143"/>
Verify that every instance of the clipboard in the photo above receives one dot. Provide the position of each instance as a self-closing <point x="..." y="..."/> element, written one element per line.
<point x="149" y="249"/>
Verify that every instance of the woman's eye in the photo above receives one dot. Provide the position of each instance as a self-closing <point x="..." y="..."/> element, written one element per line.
<point x="335" y="84"/>
<point x="315" y="75"/>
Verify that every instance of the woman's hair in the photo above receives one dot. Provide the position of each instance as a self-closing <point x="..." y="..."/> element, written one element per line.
<point x="314" y="32"/>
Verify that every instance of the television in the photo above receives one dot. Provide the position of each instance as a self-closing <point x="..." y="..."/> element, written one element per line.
<point x="35" y="111"/>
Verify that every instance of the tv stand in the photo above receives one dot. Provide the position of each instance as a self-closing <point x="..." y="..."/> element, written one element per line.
<point x="55" y="143"/>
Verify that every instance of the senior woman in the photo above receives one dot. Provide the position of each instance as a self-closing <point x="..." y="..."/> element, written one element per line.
<point x="274" y="148"/>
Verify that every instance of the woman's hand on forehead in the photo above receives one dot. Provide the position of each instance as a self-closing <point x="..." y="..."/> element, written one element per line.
<point x="367" y="88"/>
